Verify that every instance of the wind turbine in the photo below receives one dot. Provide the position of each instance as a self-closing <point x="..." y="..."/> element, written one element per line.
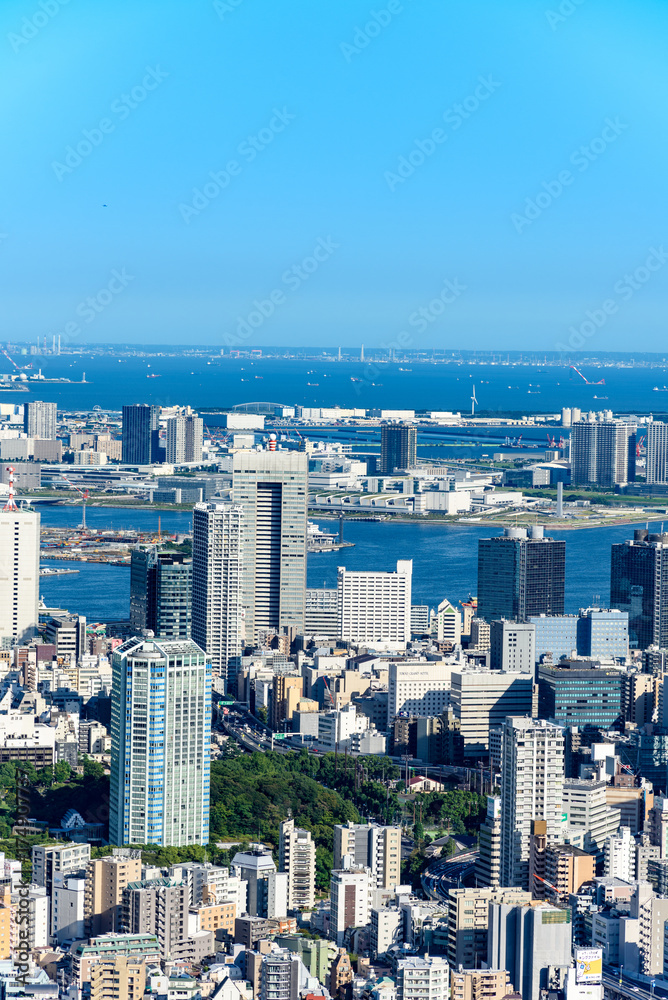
<point x="473" y="402"/>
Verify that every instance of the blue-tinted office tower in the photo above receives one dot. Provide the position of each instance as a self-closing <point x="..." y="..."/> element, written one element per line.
<point x="160" y="743"/>
<point x="141" y="435"/>
<point x="639" y="586"/>
<point x="578" y="694"/>
<point x="596" y="632"/>
<point x="520" y="573"/>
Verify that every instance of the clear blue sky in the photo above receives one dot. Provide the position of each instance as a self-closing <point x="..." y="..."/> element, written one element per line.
<point x="361" y="90"/>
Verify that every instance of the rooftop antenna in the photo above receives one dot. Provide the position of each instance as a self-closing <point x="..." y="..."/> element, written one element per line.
<point x="473" y="402"/>
<point x="11" y="503"/>
<point x="362" y="353"/>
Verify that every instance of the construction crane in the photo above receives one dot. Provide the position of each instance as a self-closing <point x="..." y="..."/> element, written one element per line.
<point x="11" y="360"/>
<point x="584" y="379"/>
<point x="84" y="496"/>
<point x="639" y="445"/>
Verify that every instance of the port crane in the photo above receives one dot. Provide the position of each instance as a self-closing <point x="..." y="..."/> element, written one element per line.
<point x="11" y="361"/>
<point x="84" y="496"/>
<point x="584" y="379"/>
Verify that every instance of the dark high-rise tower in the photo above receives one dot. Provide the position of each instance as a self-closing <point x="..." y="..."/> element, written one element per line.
<point x="160" y="592"/>
<point x="141" y="434"/>
<point x="398" y="447"/>
<point x="520" y="573"/>
<point x="639" y="585"/>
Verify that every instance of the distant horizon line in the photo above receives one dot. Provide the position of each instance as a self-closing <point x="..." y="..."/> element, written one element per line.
<point x="332" y="352"/>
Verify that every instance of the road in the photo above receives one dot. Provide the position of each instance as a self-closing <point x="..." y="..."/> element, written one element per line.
<point x="448" y="873"/>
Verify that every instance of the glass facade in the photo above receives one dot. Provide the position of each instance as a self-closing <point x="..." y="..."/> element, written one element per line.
<point x="580" y="697"/>
<point x="639" y="586"/>
<point x="520" y="575"/>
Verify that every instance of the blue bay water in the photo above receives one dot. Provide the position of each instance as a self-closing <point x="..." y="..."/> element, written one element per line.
<point x="444" y="559"/>
<point x="223" y="382"/>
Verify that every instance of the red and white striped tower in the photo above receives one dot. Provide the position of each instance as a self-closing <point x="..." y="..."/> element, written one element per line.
<point x="11" y="503"/>
<point x="272" y="443"/>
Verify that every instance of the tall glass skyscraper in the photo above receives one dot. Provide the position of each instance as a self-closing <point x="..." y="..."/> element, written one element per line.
<point x="521" y="573"/>
<point x="398" y="447"/>
<point x="271" y="487"/>
<point x="160" y="741"/>
<point x="160" y="592"/>
<point x="141" y="434"/>
<point x="639" y="585"/>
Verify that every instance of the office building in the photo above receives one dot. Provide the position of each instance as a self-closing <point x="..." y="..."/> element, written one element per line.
<point x="480" y="635"/>
<point x="272" y="489"/>
<point x="161" y="735"/>
<point x="375" y="607"/>
<point x="173" y="596"/>
<point x="322" y="612"/>
<point x="532" y="777"/>
<point x="184" y="438"/>
<point x="656" y="461"/>
<point x="296" y="853"/>
<point x="531" y="941"/>
<point x="217" y="612"/>
<point x="579" y="693"/>
<point x="512" y="646"/>
<point x="424" y="977"/>
<point x="639" y="586"/>
<point x="287" y="691"/>
<point x="520" y="573"/>
<point x="40" y="420"/>
<point x="603" y="633"/>
<point x="488" y="865"/>
<point x="160" y="592"/>
<point x="68" y="634"/>
<point x="106" y="878"/>
<point x="368" y="845"/>
<point x="603" y="453"/>
<point x="398" y="447"/>
<point x="448" y="623"/>
<point x="19" y="583"/>
<point x="141" y="435"/>
<point x="417" y="688"/>
<point x="420" y="619"/>
<point x="350" y="895"/>
<point x="468" y="921"/>
<point x="482" y="699"/>
<point x="118" y="977"/>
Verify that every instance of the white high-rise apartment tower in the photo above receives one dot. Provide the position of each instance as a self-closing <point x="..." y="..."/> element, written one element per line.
<point x="532" y="778"/>
<point x="160" y="743"/>
<point x="19" y="572"/>
<point x="296" y="857"/>
<point x="657" y="452"/>
<point x="271" y="487"/>
<point x="184" y="438"/>
<point x="375" y="608"/>
<point x="39" y="420"/>
<point x="217" y="615"/>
